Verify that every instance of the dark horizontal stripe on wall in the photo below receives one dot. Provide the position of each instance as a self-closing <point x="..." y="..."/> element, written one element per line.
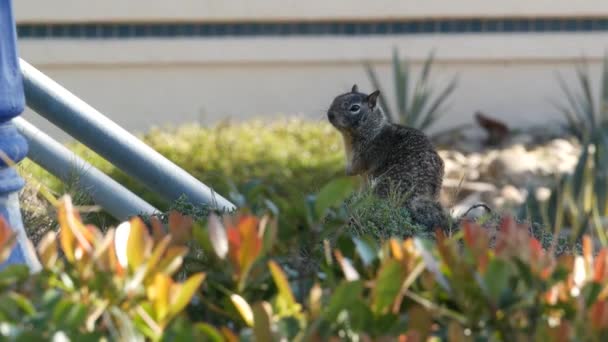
<point x="447" y="26"/>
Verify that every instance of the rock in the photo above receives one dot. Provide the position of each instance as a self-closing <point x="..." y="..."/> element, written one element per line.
<point x="513" y="166"/>
<point x="542" y="193"/>
<point x="512" y="194"/>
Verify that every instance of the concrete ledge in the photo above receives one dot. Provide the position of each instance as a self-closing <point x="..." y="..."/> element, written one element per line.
<point x="36" y="11"/>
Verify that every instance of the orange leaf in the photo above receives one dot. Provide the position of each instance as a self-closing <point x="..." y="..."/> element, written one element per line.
<point x="6" y="232"/>
<point x="229" y="335"/>
<point x="600" y="267"/>
<point x="251" y="244"/>
<point x="396" y="250"/>
<point x="158" y="231"/>
<point x="7" y="239"/>
<point x="234" y="243"/>
<point x="587" y="249"/>
<point x="113" y="259"/>
<point x="73" y="232"/>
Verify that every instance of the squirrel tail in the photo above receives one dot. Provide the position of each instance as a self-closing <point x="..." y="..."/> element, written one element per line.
<point x="428" y="213"/>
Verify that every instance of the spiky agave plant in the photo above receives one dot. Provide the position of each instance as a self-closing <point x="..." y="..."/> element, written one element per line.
<point x="584" y="115"/>
<point x="418" y="108"/>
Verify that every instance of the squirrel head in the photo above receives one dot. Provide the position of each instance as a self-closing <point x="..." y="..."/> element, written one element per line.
<point x="357" y="113"/>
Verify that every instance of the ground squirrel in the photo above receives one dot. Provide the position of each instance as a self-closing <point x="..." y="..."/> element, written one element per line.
<point x="395" y="159"/>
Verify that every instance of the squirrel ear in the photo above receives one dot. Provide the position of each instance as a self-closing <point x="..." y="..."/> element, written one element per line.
<point x="373" y="98"/>
<point x="355" y="89"/>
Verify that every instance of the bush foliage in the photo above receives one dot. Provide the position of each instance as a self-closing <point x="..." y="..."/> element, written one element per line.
<point x="233" y="276"/>
<point x="282" y="159"/>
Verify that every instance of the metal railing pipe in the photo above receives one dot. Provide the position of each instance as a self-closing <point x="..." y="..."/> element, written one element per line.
<point x="65" y="165"/>
<point x="112" y="142"/>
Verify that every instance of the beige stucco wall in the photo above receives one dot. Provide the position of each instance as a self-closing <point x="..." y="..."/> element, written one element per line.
<point x="145" y="82"/>
<point x="154" y="82"/>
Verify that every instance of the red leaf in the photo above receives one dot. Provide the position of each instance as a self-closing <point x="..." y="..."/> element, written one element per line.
<point x="180" y="227"/>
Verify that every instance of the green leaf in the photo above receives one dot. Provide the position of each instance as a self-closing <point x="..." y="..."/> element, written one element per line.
<point x="400" y="84"/>
<point x="604" y="93"/>
<point x="388" y="284"/>
<point x="332" y="194"/>
<point x="590" y="293"/>
<point x="376" y="84"/>
<point x="282" y="284"/>
<point x="361" y="317"/>
<point x="496" y="278"/>
<point x="587" y="99"/>
<point x="23" y="303"/>
<point x="136" y="244"/>
<point x="209" y="331"/>
<point x="13" y="274"/>
<point x="433" y="113"/>
<point x="343" y="298"/>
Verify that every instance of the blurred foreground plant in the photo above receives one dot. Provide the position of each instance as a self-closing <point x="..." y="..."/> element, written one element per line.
<point x="137" y="282"/>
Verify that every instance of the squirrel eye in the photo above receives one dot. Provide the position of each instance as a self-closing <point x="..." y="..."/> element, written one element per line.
<point x="355" y="108"/>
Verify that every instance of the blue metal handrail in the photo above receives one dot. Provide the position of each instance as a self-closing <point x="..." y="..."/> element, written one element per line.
<point x="118" y="146"/>
<point x="65" y="165"/>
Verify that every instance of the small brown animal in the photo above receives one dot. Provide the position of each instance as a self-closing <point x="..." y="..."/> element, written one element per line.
<point x="395" y="159"/>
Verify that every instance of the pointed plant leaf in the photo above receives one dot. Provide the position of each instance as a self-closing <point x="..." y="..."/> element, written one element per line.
<point x="366" y="249"/>
<point x="138" y="243"/>
<point x="342" y="298"/>
<point x="387" y="285"/>
<point x="426" y="69"/>
<point x="400" y="83"/>
<point x="159" y="292"/>
<point x="217" y="236"/>
<point x="243" y="308"/>
<point x="333" y="194"/>
<point x="209" y="331"/>
<point x="350" y="274"/>
<point x="604" y="94"/>
<point x="157" y="253"/>
<point x="376" y="84"/>
<point x="496" y="278"/>
<point x="262" y="321"/>
<point x="280" y="280"/>
<point x="185" y="293"/>
<point x="121" y="238"/>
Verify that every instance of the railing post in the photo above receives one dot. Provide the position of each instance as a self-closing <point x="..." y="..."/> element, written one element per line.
<point x="13" y="146"/>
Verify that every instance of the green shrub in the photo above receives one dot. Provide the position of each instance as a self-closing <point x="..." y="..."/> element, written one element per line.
<point x="281" y="159"/>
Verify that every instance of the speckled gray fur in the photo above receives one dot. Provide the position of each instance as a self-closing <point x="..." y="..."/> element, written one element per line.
<point x="397" y="160"/>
